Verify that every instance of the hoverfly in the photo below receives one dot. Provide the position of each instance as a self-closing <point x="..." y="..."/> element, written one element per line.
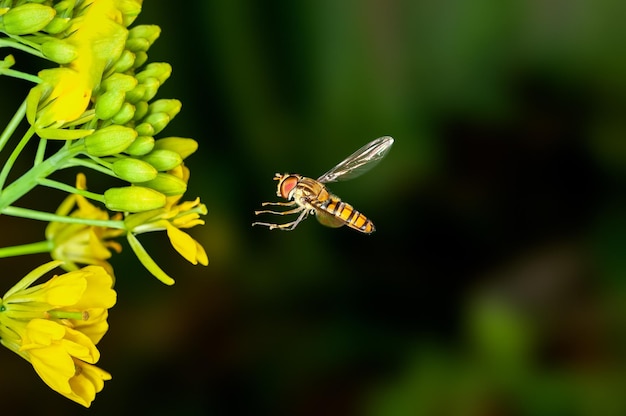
<point x="310" y="196"/>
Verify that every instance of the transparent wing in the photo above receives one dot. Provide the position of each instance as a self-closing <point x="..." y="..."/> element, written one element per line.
<point x="360" y="161"/>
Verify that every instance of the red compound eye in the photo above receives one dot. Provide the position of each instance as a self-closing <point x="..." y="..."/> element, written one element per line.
<point x="287" y="185"/>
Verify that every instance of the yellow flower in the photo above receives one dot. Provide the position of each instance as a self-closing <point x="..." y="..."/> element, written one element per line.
<point x="170" y="218"/>
<point x="56" y="326"/>
<point x="98" y="36"/>
<point x="79" y="243"/>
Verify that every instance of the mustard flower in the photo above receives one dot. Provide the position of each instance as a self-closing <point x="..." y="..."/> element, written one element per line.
<point x="171" y="218"/>
<point x="79" y="243"/>
<point x="97" y="36"/>
<point x="56" y="325"/>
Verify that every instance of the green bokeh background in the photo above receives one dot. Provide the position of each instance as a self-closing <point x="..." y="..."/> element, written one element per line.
<point x="495" y="282"/>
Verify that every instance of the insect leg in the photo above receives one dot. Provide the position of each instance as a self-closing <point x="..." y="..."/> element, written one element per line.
<point x="290" y="211"/>
<point x="289" y="225"/>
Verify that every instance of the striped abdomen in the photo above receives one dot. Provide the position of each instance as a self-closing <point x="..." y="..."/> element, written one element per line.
<point x="332" y="211"/>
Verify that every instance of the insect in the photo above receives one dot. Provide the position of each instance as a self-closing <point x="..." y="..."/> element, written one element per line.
<point x="309" y="196"/>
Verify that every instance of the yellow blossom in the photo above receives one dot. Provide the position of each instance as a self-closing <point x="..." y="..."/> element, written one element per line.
<point x="56" y="325"/>
<point x="170" y="218"/>
<point x="79" y="243"/>
<point x="98" y="35"/>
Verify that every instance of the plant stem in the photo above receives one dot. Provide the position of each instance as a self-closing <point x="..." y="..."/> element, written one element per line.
<point x="31" y="248"/>
<point x="12" y="126"/>
<point x="49" y="217"/>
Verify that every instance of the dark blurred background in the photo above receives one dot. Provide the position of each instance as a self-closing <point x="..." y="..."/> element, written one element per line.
<point x="495" y="282"/>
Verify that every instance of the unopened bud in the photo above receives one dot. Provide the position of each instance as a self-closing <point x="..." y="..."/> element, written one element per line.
<point x="133" y="199"/>
<point x="109" y="104"/>
<point x="163" y="159"/>
<point x="134" y="170"/>
<point x="168" y="185"/>
<point x="26" y="18"/>
<point x="57" y="25"/>
<point x="109" y="140"/>
<point x="158" y="121"/>
<point x="59" y="51"/>
<point x="141" y="146"/>
<point x="141" y="109"/>
<point x="149" y="32"/>
<point x="124" y="62"/>
<point x="169" y="106"/>
<point x="183" y="146"/>
<point x="117" y="81"/>
<point x="145" y="129"/>
<point x="125" y="114"/>
<point x="158" y="70"/>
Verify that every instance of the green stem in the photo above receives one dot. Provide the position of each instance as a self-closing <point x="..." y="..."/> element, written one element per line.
<point x="70" y="189"/>
<point x="22" y="45"/>
<point x="41" y="151"/>
<point x="30" y="179"/>
<point x="31" y="248"/>
<point x="20" y="75"/>
<point x="14" y="155"/>
<point x="12" y="126"/>
<point x="48" y="217"/>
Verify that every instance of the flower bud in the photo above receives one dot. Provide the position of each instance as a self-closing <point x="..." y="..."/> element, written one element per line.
<point x="58" y="25"/>
<point x="149" y="32"/>
<point x="120" y="82"/>
<point x="150" y="88"/>
<point x="26" y="18"/>
<point x="141" y="109"/>
<point x="125" y="114"/>
<point x="124" y="62"/>
<point x="109" y="140"/>
<point x="141" y="146"/>
<point x="59" y="51"/>
<point x="136" y="94"/>
<point x="183" y="146"/>
<point x="169" y="106"/>
<point x="133" y="199"/>
<point x="134" y="170"/>
<point x="145" y="129"/>
<point x="137" y="45"/>
<point x="168" y="185"/>
<point x="109" y="104"/>
<point x="140" y="58"/>
<point x="158" y="121"/>
<point x="158" y="70"/>
<point x="163" y="159"/>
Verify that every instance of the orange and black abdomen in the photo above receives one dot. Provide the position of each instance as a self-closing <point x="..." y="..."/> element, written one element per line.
<point x="344" y="212"/>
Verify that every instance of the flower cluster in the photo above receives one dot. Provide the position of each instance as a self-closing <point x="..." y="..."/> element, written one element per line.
<point x="56" y="326"/>
<point x="94" y="111"/>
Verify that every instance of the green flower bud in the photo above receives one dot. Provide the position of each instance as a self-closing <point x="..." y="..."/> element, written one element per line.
<point x="117" y="81"/>
<point x="158" y="121"/>
<point x="150" y="88"/>
<point x="59" y="51"/>
<point x="149" y="32"/>
<point x="158" y="70"/>
<point x="57" y="25"/>
<point x="136" y="94"/>
<point x="133" y="199"/>
<point x="169" y="106"/>
<point x="141" y="146"/>
<point x="163" y="159"/>
<point x="140" y="58"/>
<point x="125" y="114"/>
<point x="134" y="170"/>
<point x="184" y="147"/>
<point x="124" y="62"/>
<point x="137" y="45"/>
<point x="141" y="109"/>
<point x="109" y="140"/>
<point x="26" y="18"/>
<point x="145" y="129"/>
<point x="109" y="104"/>
<point x="168" y="185"/>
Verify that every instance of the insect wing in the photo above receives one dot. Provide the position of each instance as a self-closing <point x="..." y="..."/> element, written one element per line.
<point x="360" y="161"/>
